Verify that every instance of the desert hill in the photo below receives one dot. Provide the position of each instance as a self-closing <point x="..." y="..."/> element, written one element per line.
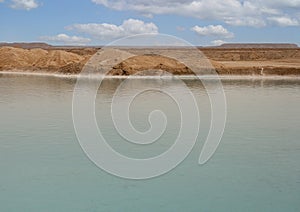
<point x="27" y="45"/>
<point x="70" y="60"/>
<point x="40" y="60"/>
<point x="258" y="46"/>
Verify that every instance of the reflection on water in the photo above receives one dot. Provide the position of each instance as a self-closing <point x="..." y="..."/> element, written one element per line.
<point x="43" y="168"/>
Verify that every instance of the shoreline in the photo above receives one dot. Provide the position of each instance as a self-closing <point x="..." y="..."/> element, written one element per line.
<point x="184" y="77"/>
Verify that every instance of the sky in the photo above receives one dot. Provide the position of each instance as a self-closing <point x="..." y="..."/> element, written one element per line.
<point x="199" y="22"/>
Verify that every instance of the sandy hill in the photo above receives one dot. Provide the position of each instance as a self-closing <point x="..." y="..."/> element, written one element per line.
<point x="150" y="63"/>
<point x="259" y="46"/>
<point x="38" y="59"/>
<point x="27" y="45"/>
<point x="258" y="61"/>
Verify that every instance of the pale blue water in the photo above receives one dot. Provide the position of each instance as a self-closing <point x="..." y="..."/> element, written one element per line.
<point x="256" y="167"/>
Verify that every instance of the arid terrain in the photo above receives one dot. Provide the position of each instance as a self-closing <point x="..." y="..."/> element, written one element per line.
<point x="260" y="59"/>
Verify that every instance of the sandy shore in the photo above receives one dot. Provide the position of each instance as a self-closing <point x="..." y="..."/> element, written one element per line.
<point x="183" y="77"/>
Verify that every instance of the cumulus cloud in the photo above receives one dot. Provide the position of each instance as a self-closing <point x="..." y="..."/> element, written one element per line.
<point x="66" y="39"/>
<point x="24" y="4"/>
<point x="213" y="30"/>
<point x="234" y="12"/>
<point x="107" y="31"/>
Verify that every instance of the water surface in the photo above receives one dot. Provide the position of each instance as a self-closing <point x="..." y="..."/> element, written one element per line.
<point x="256" y="167"/>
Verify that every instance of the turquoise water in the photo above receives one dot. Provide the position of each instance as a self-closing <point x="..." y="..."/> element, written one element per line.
<point x="43" y="168"/>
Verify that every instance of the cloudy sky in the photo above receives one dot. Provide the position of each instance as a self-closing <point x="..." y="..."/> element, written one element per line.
<point x="200" y="22"/>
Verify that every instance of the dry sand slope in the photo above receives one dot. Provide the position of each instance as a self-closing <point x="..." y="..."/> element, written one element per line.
<point x="18" y="59"/>
<point x="244" y="61"/>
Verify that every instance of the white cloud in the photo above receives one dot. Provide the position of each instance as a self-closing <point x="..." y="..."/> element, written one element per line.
<point x="253" y="13"/>
<point x="247" y="21"/>
<point x="217" y="42"/>
<point x="1" y="1"/>
<point x="24" y="4"/>
<point x="284" y="21"/>
<point x="211" y="30"/>
<point x="281" y="4"/>
<point x="106" y="31"/>
<point x="196" y="8"/>
<point x="66" y="39"/>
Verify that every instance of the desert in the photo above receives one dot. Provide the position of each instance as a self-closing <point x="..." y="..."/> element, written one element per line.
<point x="227" y="59"/>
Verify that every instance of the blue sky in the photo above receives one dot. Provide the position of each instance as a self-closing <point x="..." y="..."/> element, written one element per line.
<point x="200" y="22"/>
